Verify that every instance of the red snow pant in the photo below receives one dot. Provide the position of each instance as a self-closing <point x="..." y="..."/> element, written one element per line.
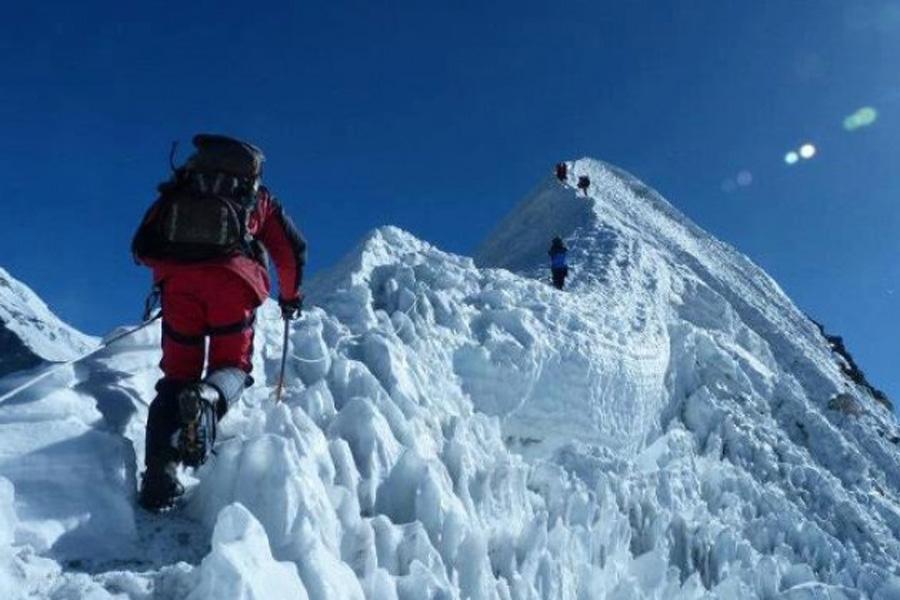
<point x="206" y="302"/>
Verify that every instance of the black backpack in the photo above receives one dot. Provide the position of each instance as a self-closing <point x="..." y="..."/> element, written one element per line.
<point x="202" y="212"/>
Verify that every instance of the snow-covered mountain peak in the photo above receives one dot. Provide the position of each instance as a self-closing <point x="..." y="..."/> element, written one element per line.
<point x="520" y="241"/>
<point x="30" y="333"/>
<point x="614" y="197"/>
<point x="671" y="426"/>
<point x="631" y="249"/>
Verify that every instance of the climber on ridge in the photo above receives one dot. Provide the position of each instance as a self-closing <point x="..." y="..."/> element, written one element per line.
<point x="584" y="184"/>
<point x="205" y="239"/>
<point x="562" y="172"/>
<point x="559" y="268"/>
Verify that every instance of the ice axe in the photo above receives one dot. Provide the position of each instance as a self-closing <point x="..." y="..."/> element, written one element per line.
<point x="289" y="311"/>
<point x="279" y="388"/>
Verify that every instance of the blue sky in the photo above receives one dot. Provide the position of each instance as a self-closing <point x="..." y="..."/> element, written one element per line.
<point x="439" y="119"/>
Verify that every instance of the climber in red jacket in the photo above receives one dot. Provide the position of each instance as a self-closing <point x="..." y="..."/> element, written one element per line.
<point x="206" y="239"/>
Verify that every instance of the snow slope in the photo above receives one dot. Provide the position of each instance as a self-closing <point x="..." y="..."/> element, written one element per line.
<point x="29" y="333"/>
<point x="669" y="427"/>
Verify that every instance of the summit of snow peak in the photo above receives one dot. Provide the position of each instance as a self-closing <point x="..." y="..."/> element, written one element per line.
<point x="629" y="248"/>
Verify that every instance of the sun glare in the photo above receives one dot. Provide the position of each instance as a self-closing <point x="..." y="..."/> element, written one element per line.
<point x="864" y="117"/>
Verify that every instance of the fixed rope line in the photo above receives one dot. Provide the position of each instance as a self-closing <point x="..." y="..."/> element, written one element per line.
<point x="58" y="367"/>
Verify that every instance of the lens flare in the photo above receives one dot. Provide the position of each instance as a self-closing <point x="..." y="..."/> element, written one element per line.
<point x="807" y="151"/>
<point x="864" y="117"/>
<point x="791" y="158"/>
<point x="744" y="178"/>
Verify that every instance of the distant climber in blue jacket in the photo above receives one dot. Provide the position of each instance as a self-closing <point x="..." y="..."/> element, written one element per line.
<point x="559" y="268"/>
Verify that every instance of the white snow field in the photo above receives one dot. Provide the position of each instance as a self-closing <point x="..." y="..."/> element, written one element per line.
<point x="670" y="426"/>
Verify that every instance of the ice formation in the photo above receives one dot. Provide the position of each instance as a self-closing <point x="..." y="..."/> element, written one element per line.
<point x="671" y="426"/>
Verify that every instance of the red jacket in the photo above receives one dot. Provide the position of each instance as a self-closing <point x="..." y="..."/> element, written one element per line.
<point x="270" y="226"/>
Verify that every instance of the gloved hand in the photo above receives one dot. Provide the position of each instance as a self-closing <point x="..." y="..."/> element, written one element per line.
<point x="291" y="309"/>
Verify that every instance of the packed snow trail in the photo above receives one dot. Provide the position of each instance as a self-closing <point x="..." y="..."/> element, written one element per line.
<point x="667" y="428"/>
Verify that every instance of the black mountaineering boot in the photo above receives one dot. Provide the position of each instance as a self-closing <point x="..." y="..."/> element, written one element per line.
<point x="197" y="404"/>
<point x="159" y="486"/>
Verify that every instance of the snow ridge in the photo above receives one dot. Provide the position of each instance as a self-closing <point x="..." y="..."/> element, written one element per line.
<point x="671" y="427"/>
<point x="30" y="333"/>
